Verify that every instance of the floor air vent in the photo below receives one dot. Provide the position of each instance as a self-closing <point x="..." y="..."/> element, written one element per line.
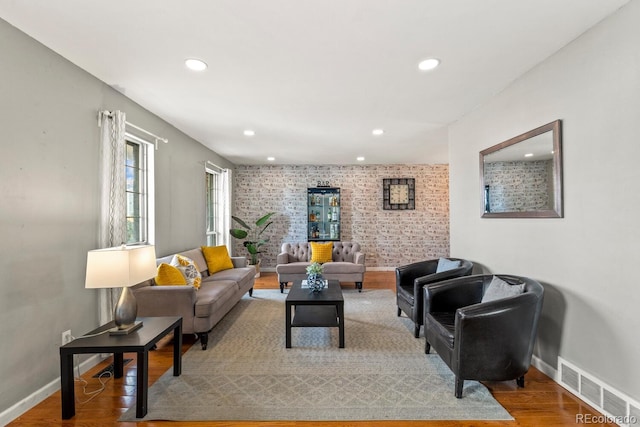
<point x="617" y="407"/>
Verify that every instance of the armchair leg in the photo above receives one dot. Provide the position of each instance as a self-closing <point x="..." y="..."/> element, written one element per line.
<point x="282" y="285"/>
<point x="520" y="381"/>
<point x="251" y="292"/>
<point x="416" y="331"/>
<point x="427" y="347"/>
<point x="359" y="286"/>
<point x="459" y="385"/>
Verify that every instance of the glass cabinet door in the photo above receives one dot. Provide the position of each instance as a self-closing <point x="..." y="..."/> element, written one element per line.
<point x="323" y="211"/>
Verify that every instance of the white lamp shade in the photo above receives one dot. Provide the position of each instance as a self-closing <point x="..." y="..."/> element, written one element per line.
<point x="120" y="267"/>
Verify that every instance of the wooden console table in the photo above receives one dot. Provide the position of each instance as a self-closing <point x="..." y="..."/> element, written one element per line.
<point x="139" y="342"/>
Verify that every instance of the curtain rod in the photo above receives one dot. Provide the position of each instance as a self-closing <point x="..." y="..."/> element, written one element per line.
<point x="214" y="167"/>
<point x="110" y="114"/>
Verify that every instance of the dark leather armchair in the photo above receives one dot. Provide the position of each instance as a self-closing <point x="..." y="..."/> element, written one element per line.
<point x="412" y="277"/>
<point x="483" y="341"/>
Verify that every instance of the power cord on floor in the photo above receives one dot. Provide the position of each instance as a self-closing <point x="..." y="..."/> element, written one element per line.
<point x="103" y="378"/>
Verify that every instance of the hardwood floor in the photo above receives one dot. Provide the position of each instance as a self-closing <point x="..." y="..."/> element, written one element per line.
<point x="541" y="403"/>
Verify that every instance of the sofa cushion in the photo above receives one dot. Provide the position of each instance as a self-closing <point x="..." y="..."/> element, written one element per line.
<point x="189" y="270"/>
<point x="446" y="265"/>
<point x="213" y="295"/>
<point x="321" y="252"/>
<point x="444" y="324"/>
<point x="169" y="275"/>
<point x="217" y="258"/>
<point x="240" y="276"/>
<point x="499" y="289"/>
<point x="342" y="267"/>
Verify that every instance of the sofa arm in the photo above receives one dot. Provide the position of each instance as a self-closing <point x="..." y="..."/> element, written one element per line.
<point x="239" y="261"/>
<point x="166" y="301"/>
<point x="282" y="258"/>
<point x="358" y="258"/>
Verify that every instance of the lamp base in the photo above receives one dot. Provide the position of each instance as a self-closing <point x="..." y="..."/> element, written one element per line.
<point x="126" y="329"/>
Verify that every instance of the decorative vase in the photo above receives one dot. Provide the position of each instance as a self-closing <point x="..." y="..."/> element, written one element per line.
<point x="257" y="267"/>
<point x="315" y="282"/>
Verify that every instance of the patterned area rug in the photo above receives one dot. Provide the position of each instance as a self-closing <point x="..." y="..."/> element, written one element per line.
<point x="382" y="374"/>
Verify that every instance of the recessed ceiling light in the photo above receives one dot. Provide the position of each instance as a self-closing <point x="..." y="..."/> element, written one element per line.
<point x="249" y="132"/>
<point x="377" y="132"/>
<point x="271" y="159"/>
<point x="428" y="64"/>
<point x="360" y="159"/>
<point x="195" y="64"/>
<point x="529" y="155"/>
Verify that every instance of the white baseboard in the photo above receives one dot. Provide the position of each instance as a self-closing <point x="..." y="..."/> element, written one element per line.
<point x="545" y="368"/>
<point x="38" y="396"/>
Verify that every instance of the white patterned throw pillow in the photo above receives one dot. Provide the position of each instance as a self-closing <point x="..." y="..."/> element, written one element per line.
<point x="189" y="270"/>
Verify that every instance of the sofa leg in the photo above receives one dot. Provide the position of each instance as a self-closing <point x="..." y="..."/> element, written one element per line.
<point x="399" y="312"/>
<point x="520" y="381"/>
<point x="204" y="339"/>
<point x="251" y="292"/>
<point x="416" y="331"/>
<point x="282" y="285"/>
<point x="359" y="286"/>
<point x="459" y="385"/>
<point x="427" y="347"/>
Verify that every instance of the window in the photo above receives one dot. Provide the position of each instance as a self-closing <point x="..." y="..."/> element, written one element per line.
<point x="217" y="205"/>
<point x="138" y="171"/>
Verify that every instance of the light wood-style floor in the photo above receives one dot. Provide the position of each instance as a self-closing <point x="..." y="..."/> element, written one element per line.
<point x="541" y="403"/>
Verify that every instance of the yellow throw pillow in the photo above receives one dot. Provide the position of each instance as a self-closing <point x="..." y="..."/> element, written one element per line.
<point x="217" y="258"/>
<point x="169" y="275"/>
<point x="321" y="252"/>
<point x="189" y="270"/>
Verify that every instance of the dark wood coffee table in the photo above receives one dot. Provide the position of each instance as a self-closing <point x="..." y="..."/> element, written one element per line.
<point x="139" y="342"/>
<point x="322" y="309"/>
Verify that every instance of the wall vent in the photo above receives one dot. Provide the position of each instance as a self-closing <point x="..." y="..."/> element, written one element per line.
<point x="613" y="404"/>
<point x="571" y="378"/>
<point x="616" y="406"/>
<point x="590" y="389"/>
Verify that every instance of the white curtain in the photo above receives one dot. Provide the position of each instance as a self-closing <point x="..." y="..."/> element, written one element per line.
<point x="113" y="227"/>
<point x="226" y="209"/>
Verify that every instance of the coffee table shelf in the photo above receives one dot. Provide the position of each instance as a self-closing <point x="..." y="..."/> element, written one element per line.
<point x="306" y="316"/>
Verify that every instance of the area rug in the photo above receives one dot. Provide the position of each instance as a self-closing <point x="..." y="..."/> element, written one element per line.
<point x="381" y="374"/>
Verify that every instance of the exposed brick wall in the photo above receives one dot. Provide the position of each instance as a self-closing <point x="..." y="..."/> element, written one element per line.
<point x="389" y="238"/>
<point x="519" y="186"/>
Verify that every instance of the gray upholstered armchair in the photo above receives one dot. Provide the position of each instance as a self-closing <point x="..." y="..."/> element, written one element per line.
<point x="483" y="328"/>
<point x="411" y="278"/>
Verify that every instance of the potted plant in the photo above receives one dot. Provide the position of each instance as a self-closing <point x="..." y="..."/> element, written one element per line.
<point x="252" y="235"/>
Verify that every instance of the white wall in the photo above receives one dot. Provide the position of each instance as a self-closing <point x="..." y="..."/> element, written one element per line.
<point x="49" y="204"/>
<point x="588" y="259"/>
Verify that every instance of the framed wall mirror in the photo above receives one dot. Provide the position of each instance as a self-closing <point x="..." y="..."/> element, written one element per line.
<point x="522" y="177"/>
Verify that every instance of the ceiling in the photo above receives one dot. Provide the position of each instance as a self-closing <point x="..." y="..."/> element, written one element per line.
<point x="312" y="78"/>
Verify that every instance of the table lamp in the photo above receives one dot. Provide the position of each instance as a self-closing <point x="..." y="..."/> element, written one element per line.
<point x="121" y="267"/>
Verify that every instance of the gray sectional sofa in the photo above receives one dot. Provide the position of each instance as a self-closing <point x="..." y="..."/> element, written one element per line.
<point x="200" y="309"/>
<point x="347" y="263"/>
